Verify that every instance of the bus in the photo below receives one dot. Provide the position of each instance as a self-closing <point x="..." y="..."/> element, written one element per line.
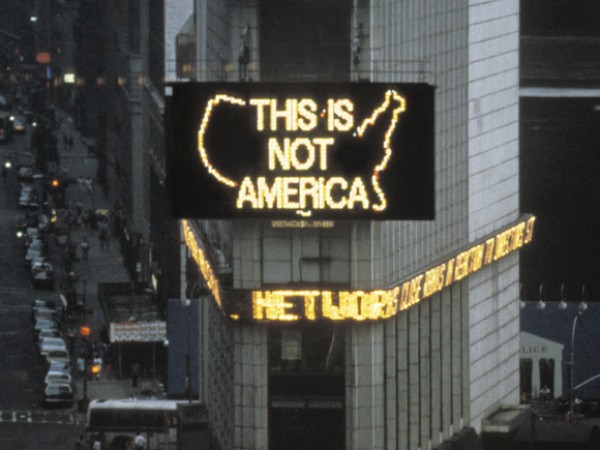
<point x="5" y="126"/>
<point x="117" y="422"/>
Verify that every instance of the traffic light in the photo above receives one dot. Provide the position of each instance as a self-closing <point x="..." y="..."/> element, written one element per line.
<point x="85" y="331"/>
<point x="55" y="183"/>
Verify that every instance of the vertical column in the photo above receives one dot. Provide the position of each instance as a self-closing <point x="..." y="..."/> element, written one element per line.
<point x="446" y="350"/>
<point x="403" y="380"/>
<point x="425" y="371"/>
<point x="456" y="345"/>
<point x="414" y="374"/>
<point x="465" y="354"/>
<point x="391" y="383"/>
<point x="558" y="381"/>
<point x="436" y="379"/>
<point x="535" y="375"/>
<point x="377" y="337"/>
<point x="365" y="378"/>
<point x="250" y="388"/>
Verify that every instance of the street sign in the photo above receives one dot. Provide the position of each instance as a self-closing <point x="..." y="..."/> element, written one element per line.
<point x="155" y="331"/>
<point x="43" y="57"/>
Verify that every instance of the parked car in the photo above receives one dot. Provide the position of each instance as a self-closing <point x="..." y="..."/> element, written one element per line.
<point x="36" y="248"/>
<point x="45" y="314"/>
<point x="50" y="344"/>
<point x="58" y="355"/>
<point x="44" y="266"/>
<point x="19" y="123"/>
<point x="39" y="303"/>
<point x="35" y="242"/>
<point x="27" y="233"/>
<point x="25" y="173"/>
<point x="34" y="260"/>
<point x="58" y="377"/>
<point x="59" y="366"/>
<point x="58" y="394"/>
<point x="28" y="198"/>
<point x="42" y="279"/>
<point x="53" y="333"/>
<point x="45" y="324"/>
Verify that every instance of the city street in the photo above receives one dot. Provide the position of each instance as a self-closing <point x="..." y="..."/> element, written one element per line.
<point x="23" y="420"/>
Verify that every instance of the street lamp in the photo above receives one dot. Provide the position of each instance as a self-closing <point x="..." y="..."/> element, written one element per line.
<point x="541" y="303"/>
<point x="571" y="364"/>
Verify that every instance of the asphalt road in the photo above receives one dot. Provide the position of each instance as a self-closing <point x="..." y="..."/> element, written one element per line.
<point x="24" y="422"/>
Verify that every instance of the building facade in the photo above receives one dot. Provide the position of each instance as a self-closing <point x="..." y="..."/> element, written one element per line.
<point x="412" y="380"/>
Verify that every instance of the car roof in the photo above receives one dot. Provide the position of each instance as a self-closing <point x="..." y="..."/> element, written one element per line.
<point x="58" y="373"/>
<point x="54" y="346"/>
<point x="44" y="320"/>
<point x="50" y="332"/>
<point x="59" y="386"/>
<point x="52" y="340"/>
<point x="53" y="359"/>
<point x="48" y="304"/>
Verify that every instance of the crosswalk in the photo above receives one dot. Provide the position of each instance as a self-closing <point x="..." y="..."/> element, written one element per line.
<point x="60" y="417"/>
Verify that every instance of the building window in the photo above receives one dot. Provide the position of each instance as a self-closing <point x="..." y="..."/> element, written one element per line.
<point x="526" y="366"/>
<point x="547" y="374"/>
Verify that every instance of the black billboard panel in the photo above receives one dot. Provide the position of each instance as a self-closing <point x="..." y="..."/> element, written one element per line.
<point x="301" y="150"/>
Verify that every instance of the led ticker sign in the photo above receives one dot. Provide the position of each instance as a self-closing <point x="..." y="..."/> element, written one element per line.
<point x="198" y="254"/>
<point x="294" y="151"/>
<point x="290" y="305"/>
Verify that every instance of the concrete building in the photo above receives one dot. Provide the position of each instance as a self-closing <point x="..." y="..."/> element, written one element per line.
<point x="135" y="155"/>
<point x="550" y="337"/>
<point x="413" y="380"/>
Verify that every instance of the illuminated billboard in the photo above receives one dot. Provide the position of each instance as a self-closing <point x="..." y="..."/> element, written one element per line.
<point x="311" y="303"/>
<point x="301" y="150"/>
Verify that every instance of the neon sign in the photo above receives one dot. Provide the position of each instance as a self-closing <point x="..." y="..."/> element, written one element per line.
<point x="294" y="151"/>
<point x="310" y="304"/>
<point x="196" y="249"/>
<point x="292" y="305"/>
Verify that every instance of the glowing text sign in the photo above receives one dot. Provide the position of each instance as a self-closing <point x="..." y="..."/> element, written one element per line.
<point x="311" y="304"/>
<point x="196" y="249"/>
<point x="322" y="151"/>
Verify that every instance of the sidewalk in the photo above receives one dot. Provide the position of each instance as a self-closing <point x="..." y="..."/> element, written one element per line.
<point x="101" y="266"/>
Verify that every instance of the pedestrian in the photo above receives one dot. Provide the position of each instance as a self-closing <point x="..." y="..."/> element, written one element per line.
<point x="85" y="219"/>
<point x="80" y="444"/>
<point x="81" y="364"/>
<point x="97" y="444"/>
<point x="98" y="365"/>
<point x="139" y="441"/>
<point x="93" y="221"/>
<point x="85" y="248"/>
<point x="135" y="374"/>
<point x="71" y="339"/>
<point x="545" y="393"/>
<point x="103" y="236"/>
